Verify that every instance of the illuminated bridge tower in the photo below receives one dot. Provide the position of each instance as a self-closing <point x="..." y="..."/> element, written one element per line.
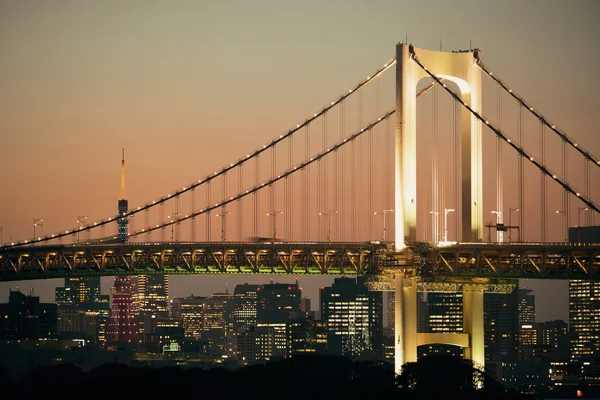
<point x="123" y="207"/>
<point x="462" y="69"/>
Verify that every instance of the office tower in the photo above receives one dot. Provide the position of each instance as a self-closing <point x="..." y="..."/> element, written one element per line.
<point x="526" y="306"/>
<point x="217" y="323"/>
<point x="24" y="317"/>
<point x="151" y="300"/>
<point x="501" y="326"/>
<point x="307" y="336"/>
<point x="103" y="309"/>
<point x="305" y="305"/>
<point x="439" y="312"/>
<point x="276" y="301"/>
<point x="390" y="309"/>
<point x="245" y="303"/>
<point x="78" y="291"/>
<point x="584" y="318"/>
<point x="354" y="317"/>
<point x="192" y="311"/>
<point x="175" y="308"/>
<point x="122" y="328"/>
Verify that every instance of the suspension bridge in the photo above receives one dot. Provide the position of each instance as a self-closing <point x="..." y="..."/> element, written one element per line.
<point x="340" y="193"/>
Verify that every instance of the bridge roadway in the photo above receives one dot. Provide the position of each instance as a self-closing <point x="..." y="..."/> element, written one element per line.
<point x="449" y="262"/>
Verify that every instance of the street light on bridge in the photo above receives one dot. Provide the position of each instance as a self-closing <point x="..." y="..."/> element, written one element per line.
<point x="274" y="215"/>
<point x="510" y="211"/>
<point x="80" y="220"/>
<point x="564" y="215"/>
<point x="382" y="213"/>
<point x="579" y="210"/>
<point x="37" y="222"/>
<point x="499" y="233"/>
<point x="223" y="215"/>
<point x="328" y="215"/>
<point x="173" y="219"/>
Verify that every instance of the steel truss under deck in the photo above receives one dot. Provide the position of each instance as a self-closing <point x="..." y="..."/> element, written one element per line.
<point x="439" y="268"/>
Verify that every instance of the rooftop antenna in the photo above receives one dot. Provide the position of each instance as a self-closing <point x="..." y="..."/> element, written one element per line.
<point x="123" y="174"/>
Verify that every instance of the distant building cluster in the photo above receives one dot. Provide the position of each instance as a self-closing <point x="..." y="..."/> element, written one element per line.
<point x="139" y="323"/>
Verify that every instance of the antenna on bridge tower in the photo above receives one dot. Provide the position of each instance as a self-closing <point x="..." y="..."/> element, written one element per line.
<point x="123" y="174"/>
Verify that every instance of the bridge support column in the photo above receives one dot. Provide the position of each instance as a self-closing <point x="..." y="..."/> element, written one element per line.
<point x="405" y="313"/>
<point x="473" y="323"/>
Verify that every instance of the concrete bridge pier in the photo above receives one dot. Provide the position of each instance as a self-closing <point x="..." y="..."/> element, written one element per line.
<point x="407" y="339"/>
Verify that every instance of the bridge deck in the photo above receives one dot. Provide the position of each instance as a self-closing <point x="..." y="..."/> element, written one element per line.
<point x="428" y="261"/>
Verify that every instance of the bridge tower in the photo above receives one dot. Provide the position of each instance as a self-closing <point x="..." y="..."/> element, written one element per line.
<point x="462" y="69"/>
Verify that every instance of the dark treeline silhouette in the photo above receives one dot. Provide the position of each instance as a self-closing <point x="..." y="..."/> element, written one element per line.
<point x="301" y="377"/>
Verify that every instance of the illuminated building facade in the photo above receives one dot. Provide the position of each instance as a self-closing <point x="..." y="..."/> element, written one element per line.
<point x="354" y="318"/>
<point x="584" y="318"/>
<point x="307" y="336"/>
<point x="151" y="300"/>
<point x="192" y="311"/>
<point x="439" y="312"/>
<point x="217" y="323"/>
<point x="78" y="291"/>
<point x="122" y="327"/>
<point x="245" y="306"/>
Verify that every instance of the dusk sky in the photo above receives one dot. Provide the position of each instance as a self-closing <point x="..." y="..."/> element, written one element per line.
<point x="189" y="86"/>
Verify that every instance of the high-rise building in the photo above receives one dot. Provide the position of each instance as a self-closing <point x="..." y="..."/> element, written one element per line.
<point x="584" y="318"/>
<point x="192" y="312"/>
<point x="217" y="323"/>
<point x="150" y="300"/>
<point x="305" y="305"/>
<point x="24" y="317"/>
<point x="439" y="312"/>
<point x="276" y="301"/>
<point x="307" y="336"/>
<point x="526" y="306"/>
<point x="245" y="306"/>
<point x="501" y="326"/>
<point x="354" y="317"/>
<point x="122" y="327"/>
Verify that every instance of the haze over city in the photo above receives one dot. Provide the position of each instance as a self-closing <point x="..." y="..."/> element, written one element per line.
<point x="188" y="87"/>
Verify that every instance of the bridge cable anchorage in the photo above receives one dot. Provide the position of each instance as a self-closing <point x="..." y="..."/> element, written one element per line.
<point x="498" y="133"/>
<point x="199" y="182"/>
<point x="531" y="109"/>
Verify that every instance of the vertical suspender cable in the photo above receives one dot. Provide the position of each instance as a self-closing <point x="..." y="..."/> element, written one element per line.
<point x="162" y="221"/>
<point x="342" y="168"/>
<point x="586" y="188"/>
<point x="272" y="221"/>
<point x="306" y="199"/>
<point x="434" y="169"/>
<point x="239" y="204"/>
<point x="456" y="167"/>
<point x="543" y="202"/>
<point x="566" y="193"/>
<point x="224" y="207"/>
<point x="290" y="192"/>
<point x="255" y="195"/>
<point x="176" y="215"/>
<point x="499" y="179"/>
<point x="320" y="190"/>
<point x="192" y="211"/>
<point x="325" y="203"/>
<point x="208" y="213"/>
<point x="521" y="179"/>
<point x="147" y="224"/>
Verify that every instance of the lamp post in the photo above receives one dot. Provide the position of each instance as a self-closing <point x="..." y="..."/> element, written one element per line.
<point x="510" y="211"/>
<point x="328" y="215"/>
<point x="382" y="213"/>
<point x="274" y="215"/>
<point x="434" y="220"/>
<point x="564" y="215"/>
<point x="80" y="220"/>
<point x="446" y="211"/>
<point x="499" y="234"/>
<point x="223" y="215"/>
<point x="579" y="210"/>
<point x="173" y="219"/>
<point x="37" y="222"/>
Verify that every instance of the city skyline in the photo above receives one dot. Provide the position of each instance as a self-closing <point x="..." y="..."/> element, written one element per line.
<point x="81" y="88"/>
